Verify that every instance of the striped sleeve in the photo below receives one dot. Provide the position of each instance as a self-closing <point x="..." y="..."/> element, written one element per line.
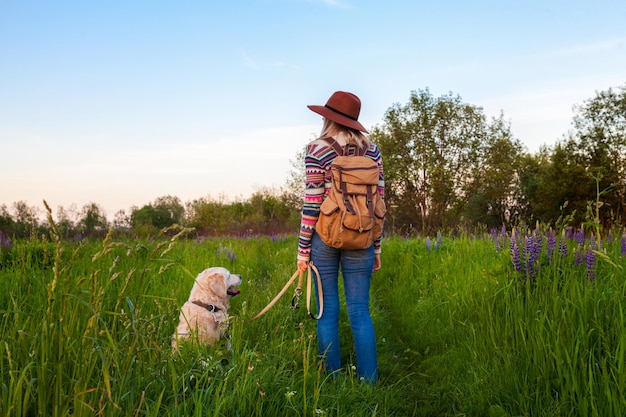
<point x="374" y="153"/>
<point x="317" y="183"/>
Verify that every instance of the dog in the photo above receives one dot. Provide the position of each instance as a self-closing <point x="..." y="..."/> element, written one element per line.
<point x="205" y="314"/>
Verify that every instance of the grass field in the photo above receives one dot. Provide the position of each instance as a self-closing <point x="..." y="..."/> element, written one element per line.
<point x="529" y="324"/>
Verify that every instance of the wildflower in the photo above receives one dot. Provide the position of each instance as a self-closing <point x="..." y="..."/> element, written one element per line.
<point x="228" y="253"/>
<point x="580" y="237"/>
<point x="319" y="411"/>
<point x="5" y="241"/>
<point x="590" y="261"/>
<point x="428" y="243"/>
<point x="538" y="238"/>
<point x="290" y="394"/>
<point x="438" y="240"/>
<point x="624" y="244"/>
<point x="563" y="248"/>
<point x="531" y="251"/>
<point x="578" y="260"/>
<point x="495" y="237"/>
<point x="515" y="257"/>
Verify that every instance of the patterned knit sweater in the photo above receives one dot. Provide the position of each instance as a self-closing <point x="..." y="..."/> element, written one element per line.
<point x="319" y="156"/>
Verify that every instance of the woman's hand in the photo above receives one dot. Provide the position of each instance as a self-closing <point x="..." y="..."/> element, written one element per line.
<point x="376" y="262"/>
<point x="302" y="266"/>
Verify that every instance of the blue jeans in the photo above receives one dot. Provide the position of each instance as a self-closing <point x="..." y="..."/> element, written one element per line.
<point x="356" y="269"/>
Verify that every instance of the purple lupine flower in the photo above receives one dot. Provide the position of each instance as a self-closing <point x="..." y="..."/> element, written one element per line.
<point x="563" y="248"/>
<point x="592" y="243"/>
<point x="503" y="231"/>
<point x="428" y="243"/>
<point x="495" y="237"/>
<point x="515" y="257"/>
<point x="439" y="240"/>
<point x="538" y="241"/>
<point x="531" y="251"/>
<point x="623" y="252"/>
<point x="5" y="241"/>
<point x="578" y="260"/>
<point x="580" y="237"/>
<point x="590" y="261"/>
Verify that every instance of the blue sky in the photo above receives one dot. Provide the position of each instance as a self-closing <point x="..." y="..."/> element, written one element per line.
<point x="120" y="102"/>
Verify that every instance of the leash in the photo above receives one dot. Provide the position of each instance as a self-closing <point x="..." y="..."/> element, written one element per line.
<point x="311" y="269"/>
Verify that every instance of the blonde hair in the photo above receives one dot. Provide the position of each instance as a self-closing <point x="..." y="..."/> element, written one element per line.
<point x="343" y="133"/>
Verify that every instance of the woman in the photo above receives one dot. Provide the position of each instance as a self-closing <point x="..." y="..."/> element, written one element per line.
<point x="341" y="123"/>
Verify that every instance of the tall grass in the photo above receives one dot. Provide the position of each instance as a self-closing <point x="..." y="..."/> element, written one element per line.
<point x="86" y="330"/>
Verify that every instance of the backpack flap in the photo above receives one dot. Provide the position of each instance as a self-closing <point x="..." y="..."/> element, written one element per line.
<point x="355" y="170"/>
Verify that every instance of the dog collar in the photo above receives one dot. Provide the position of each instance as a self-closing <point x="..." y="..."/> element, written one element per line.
<point x="211" y="307"/>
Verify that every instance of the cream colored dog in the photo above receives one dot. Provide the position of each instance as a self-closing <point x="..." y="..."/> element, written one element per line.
<point x="205" y="314"/>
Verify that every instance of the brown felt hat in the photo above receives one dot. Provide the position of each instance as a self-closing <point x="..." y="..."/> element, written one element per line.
<point x="342" y="108"/>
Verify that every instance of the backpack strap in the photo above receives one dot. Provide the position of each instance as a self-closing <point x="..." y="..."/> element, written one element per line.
<point x="361" y="151"/>
<point x="333" y="143"/>
<point x="341" y="150"/>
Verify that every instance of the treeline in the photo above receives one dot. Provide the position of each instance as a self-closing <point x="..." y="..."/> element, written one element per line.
<point x="266" y="212"/>
<point x="447" y="167"/>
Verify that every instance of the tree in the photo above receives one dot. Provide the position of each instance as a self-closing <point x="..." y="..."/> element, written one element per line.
<point x="494" y="196"/>
<point x="7" y="224"/>
<point x="271" y="214"/>
<point x="600" y="146"/>
<point x="121" y="221"/>
<point x="93" y="220"/>
<point x="164" y="212"/>
<point x="25" y="218"/>
<point x="569" y="178"/>
<point x="434" y="151"/>
<point x="169" y="210"/>
<point x="64" y="223"/>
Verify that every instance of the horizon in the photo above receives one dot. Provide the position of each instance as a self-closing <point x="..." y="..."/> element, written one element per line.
<point x="119" y="104"/>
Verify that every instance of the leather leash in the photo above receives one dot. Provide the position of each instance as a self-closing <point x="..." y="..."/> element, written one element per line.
<point x="311" y="269"/>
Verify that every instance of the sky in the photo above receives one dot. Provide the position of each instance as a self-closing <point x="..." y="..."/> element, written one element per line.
<point x="120" y="102"/>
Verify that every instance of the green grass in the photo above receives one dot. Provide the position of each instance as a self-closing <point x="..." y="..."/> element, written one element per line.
<point x="86" y="330"/>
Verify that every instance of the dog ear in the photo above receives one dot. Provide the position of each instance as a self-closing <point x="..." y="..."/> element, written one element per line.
<point x="218" y="285"/>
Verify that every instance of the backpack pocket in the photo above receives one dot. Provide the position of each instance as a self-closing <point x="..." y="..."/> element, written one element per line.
<point x="358" y="222"/>
<point x="329" y="206"/>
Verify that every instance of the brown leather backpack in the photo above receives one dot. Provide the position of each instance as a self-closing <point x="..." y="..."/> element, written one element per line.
<point x="351" y="216"/>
